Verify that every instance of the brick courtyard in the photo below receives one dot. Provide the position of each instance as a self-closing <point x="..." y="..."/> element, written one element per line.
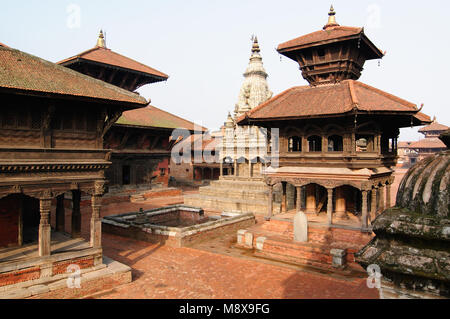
<point x="215" y="269"/>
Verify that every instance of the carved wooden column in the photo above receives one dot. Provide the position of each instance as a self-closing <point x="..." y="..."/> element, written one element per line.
<point x="388" y="196"/>
<point x="381" y="208"/>
<point x="330" y="206"/>
<point x="311" y="198"/>
<point x="284" y="199"/>
<point x="364" y="217"/>
<point x="44" y="226"/>
<point x="249" y="168"/>
<point x="235" y="168"/>
<point x="221" y="168"/>
<point x="96" y="220"/>
<point x="60" y="218"/>
<point x="341" y="209"/>
<point x="76" y="214"/>
<point x="299" y="198"/>
<point x="373" y="209"/>
<point x="270" y="203"/>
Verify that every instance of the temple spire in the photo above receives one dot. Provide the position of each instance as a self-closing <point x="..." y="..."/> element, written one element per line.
<point x="255" y="47"/>
<point x="101" y="43"/>
<point x="331" y="19"/>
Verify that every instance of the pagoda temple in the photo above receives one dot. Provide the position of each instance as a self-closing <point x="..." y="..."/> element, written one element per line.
<point x="338" y="136"/>
<point x="140" y="139"/>
<point x="52" y="123"/>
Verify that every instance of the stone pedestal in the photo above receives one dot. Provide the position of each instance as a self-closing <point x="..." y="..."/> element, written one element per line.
<point x="300" y="227"/>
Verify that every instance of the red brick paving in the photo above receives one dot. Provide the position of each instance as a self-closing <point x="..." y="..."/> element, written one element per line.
<point x="176" y="273"/>
<point x="179" y="273"/>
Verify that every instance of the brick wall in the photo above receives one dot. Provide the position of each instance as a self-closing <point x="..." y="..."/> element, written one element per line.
<point x="15" y="277"/>
<point x="9" y="221"/>
<point x="61" y="267"/>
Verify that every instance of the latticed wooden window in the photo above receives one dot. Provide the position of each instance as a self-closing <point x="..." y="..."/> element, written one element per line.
<point x="36" y="120"/>
<point x="9" y="119"/>
<point x="295" y="144"/>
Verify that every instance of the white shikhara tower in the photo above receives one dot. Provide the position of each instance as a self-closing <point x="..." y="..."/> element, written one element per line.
<point x="245" y="146"/>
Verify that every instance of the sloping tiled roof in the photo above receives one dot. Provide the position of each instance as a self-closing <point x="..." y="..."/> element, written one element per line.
<point x="343" y="97"/>
<point x="431" y="142"/>
<point x="3" y="45"/>
<point x="329" y="34"/>
<point x="435" y="126"/>
<point x="208" y="143"/>
<point x="151" y="116"/>
<point x="23" y="71"/>
<point x="109" y="57"/>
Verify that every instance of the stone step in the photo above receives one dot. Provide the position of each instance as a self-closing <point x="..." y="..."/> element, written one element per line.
<point x="28" y="289"/>
<point x="237" y="193"/>
<point x="318" y="234"/>
<point x="227" y="204"/>
<point x="310" y="253"/>
<point x="249" y="185"/>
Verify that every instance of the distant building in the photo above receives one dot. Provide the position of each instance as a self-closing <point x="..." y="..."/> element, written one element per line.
<point x="431" y="144"/>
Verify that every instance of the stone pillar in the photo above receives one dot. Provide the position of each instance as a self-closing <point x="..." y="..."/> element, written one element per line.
<point x="299" y="198"/>
<point x="235" y="168"/>
<point x="76" y="214"/>
<point x="221" y="168"/>
<point x="341" y="210"/>
<point x="249" y="168"/>
<point x="270" y="203"/>
<point x="330" y="206"/>
<point x="388" y="196"/>
<point x="364" y="217"/>
<point x="373" y="209"/>
<point x="381" y="207"/>
<point x="96" y="222"/>
<point x="60" y="214"/>
<point x="311" y="198"/>
<point x="44" y="227"/>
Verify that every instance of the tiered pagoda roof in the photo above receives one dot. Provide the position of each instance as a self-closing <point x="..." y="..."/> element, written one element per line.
<point x="331" y="60"/>
<point x="434" y="127"/>
<point x="28" y="74"/>
<point x="100" y="60"/>
<point x="153" y="117"/>
<point x="346" y="97"/>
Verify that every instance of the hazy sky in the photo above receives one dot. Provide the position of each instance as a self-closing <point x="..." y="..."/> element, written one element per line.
<point x="204" y="45"/>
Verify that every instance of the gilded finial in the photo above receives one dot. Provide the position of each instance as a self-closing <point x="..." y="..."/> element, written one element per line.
<point x="255" y="47"/>
<point x="101" y="40"/>
<point x="331" y="18"/>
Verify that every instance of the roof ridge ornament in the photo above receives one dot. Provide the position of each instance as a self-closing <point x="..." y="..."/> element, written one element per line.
<point x="255" y="47"/>
<point x="331" y="19"/>
<point x="101" y="43"/>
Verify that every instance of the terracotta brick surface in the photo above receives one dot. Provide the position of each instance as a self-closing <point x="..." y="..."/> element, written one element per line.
<point x="61" y="268"/>
<point x="15" y="277"/>
<point x="166" y="272"/>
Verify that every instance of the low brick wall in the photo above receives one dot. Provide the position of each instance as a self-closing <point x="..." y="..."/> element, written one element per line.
<point x="15" y="277"/>
<point x="83" y="263"/>
<point x="182" y="236"/>
<point x="88" y="288"/>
